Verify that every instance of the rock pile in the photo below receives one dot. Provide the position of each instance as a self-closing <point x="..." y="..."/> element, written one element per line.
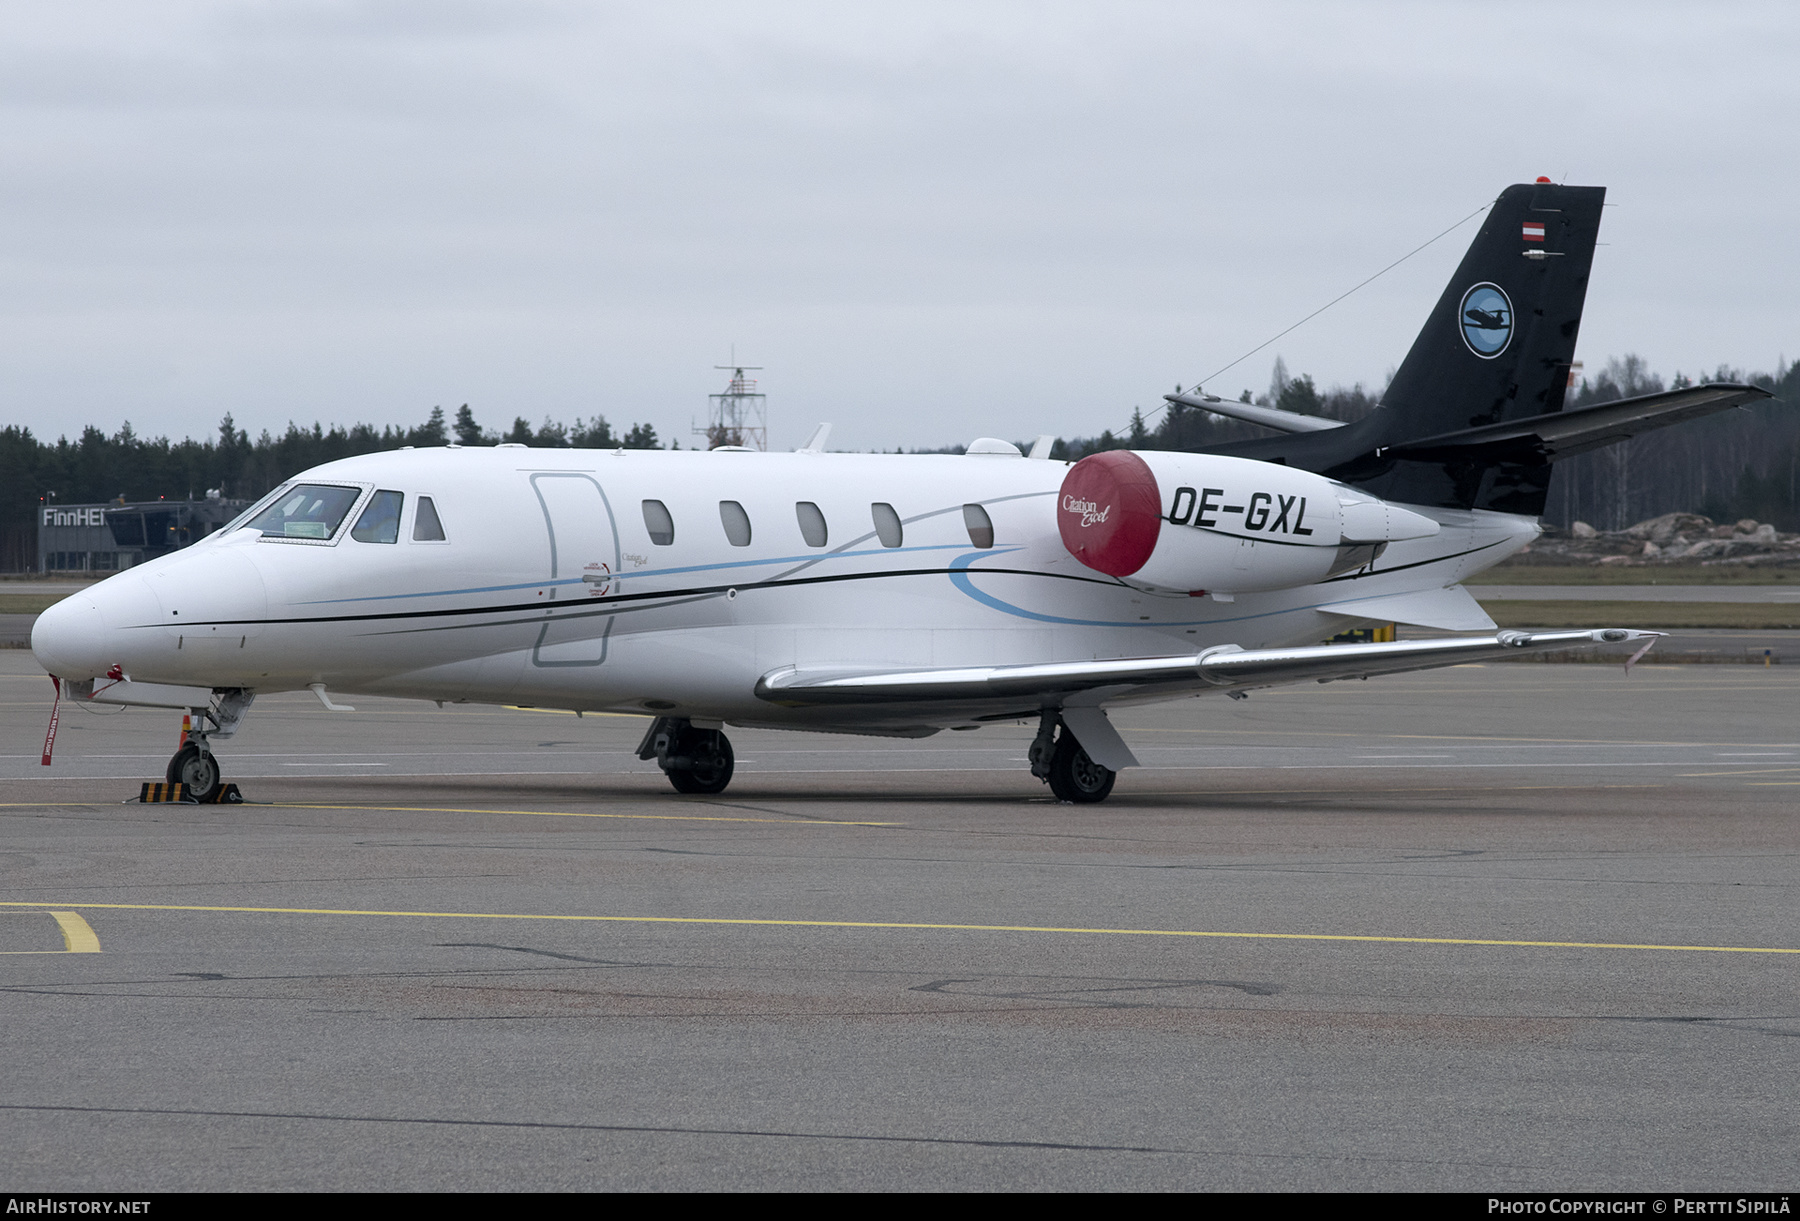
<point x="1673" y="538"/>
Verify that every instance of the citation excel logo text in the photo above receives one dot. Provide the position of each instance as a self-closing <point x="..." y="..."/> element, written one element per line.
<point x="1091" y="513"/>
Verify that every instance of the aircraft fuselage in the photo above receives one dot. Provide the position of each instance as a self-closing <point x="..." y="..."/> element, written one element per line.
<point x="559" y="581"/>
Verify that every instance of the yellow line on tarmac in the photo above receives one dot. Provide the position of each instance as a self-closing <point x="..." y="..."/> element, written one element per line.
<point x="790" y="822"/>
<point x="295" y="805"/>
<point x="1356" y="792"/>
<point x="78" y="938"/>
<point x="1262" y="735"/>
<point x="77" y="935"/>
<point x="908" y="925"/>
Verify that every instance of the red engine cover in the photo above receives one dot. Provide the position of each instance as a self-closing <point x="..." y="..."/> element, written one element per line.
<point x="1109" y="512"/>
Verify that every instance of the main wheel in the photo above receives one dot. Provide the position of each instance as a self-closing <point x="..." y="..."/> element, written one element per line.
<point x="196" y="771"/>
<point x="710" y="751"/>
<point x="1075" y="777"/>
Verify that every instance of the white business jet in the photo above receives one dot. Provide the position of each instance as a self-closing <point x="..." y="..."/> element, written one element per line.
<point x="896" y="595"/>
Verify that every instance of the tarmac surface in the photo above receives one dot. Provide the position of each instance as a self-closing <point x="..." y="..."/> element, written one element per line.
<point x="1487" y="928"/>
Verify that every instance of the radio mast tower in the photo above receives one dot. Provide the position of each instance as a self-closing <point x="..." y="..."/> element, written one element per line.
<point x="739" y="415"/>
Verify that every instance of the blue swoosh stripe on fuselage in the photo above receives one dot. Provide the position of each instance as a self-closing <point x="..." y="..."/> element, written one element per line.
<point x="650" y="572"/>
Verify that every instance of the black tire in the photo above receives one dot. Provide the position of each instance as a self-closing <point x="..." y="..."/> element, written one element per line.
<point x="197" y="772"/>
<point x="1076" y="778"/>
<point x="711" y="752"/>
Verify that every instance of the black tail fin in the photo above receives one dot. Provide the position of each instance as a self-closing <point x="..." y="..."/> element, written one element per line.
<point x="1496" y="347"/>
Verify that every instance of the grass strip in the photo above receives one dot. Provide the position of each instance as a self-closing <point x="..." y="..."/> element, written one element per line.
<point x="28" y="604"/>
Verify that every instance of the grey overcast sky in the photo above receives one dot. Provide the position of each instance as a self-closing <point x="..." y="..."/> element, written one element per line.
<point x="927" y="221"/>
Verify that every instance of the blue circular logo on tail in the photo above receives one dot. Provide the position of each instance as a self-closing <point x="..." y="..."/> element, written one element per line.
<point x="1487" y="320"/>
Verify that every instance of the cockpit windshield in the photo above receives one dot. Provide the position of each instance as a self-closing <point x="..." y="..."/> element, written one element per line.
<point x="306" y="511"/>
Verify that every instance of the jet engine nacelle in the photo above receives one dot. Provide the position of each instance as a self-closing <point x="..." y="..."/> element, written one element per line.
<point x="1193" y="522"/>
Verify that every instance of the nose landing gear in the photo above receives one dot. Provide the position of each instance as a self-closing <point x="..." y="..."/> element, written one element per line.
<point x="193" y="767"/>
<point x="196" y="771"/>
<point x="696" y="760"/>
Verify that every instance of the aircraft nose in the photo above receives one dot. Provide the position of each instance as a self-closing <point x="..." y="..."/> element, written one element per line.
<point x="69" y="639"/>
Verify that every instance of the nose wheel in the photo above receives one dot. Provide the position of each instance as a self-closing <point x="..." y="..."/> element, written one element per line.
<point x="196" y="771"/>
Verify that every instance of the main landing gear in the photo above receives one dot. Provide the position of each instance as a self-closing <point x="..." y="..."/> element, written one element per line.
<point x="696" y="760"/>
<point x="193" y="767"/>
<point x="1058" y="759"/>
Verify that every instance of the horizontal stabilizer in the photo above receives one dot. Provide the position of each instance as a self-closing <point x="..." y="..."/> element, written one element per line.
<point x="1225" y="667"/>
<point x="1563" y="434"/>
<point x="1268" y="417"/>
<point x="1452" y="609"/>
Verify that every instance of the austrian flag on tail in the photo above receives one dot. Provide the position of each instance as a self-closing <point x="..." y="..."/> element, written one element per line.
<point x="1534" y="230"/>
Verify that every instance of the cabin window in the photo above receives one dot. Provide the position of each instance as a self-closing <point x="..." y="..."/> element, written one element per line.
<point x="981" y="526"/>
<point x="426" y="526"/>
<point x="887" y="524"/>
<point x="659" y="523"/>
<point x="380" y="522"/>
<point x="310" y="511"/>
<point x="812" y="523"/>
<point x="736" y="522"/>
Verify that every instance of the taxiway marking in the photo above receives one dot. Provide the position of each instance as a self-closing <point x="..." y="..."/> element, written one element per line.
<point x="909" y="925"/>
<point x="1350" y="792"/>
<point x="1570" y="743"/>
<point x="809" y="822"/>
<point x="291" y="805"/>
<point x="78" y="936"/>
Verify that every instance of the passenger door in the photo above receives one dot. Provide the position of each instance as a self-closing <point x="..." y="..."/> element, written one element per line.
<point x="584" y="567"/>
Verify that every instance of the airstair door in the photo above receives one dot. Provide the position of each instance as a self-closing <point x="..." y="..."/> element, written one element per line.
<point x="584" y="566"/>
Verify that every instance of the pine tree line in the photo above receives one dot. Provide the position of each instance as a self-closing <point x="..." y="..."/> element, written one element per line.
<point x="95" y="467"/>
<point x="1743" y="463"/>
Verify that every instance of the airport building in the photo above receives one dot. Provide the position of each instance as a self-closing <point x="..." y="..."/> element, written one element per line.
<point x="108" y="537"/>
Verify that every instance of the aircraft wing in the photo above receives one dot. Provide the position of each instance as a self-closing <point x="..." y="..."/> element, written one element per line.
<point x="1563" y="434"/>
<point x="1225" y="668"/>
